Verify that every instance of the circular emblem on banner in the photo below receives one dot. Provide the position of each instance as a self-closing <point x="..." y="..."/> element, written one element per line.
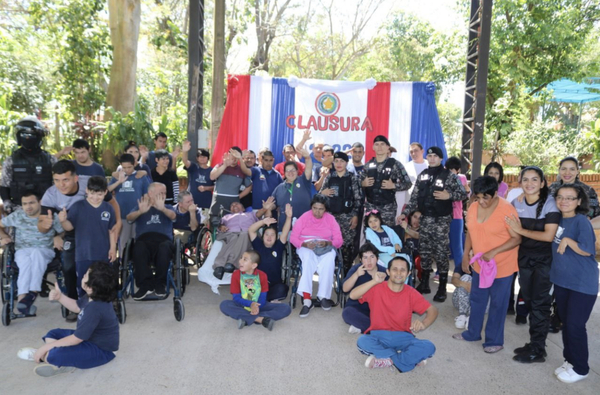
<point x="327" y="104"/>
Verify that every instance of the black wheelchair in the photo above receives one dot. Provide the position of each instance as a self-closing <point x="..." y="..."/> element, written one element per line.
<point x="194" y="251"/>
<point x="9" y="273"/>
<point x="291" y="270"/>
<point x="175" y="280"/>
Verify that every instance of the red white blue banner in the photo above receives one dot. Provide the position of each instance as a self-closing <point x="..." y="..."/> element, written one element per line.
<point x="271" y="112"/>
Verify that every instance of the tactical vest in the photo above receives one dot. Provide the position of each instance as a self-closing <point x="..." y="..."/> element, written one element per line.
<point x="343" y="201"/>
<point x="30" y="173"/>
<point x="375" y="194"/>
<point x="428" y="184"/>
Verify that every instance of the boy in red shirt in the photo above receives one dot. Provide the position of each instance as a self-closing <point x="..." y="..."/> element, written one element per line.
<point x="389" y="341"/>
<point x="249" y="287"/>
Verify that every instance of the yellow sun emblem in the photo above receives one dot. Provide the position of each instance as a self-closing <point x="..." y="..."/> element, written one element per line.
<point x="328" y="104"/>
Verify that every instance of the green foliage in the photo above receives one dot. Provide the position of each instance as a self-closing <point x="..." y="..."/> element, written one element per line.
<point x="8" y="119"/>
<point x="593" y="135"/>
<point x="81" y="50"/>
<point x="450" y="118"/>
<point x="135" y="126"/>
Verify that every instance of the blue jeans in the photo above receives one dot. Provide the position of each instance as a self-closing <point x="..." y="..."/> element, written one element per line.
<point x="457" y="232"/>
<point x="574" y="309"/>
<point x="85" y="355"/>
<point x="405" y="350"/>
<point x="354" y="316"/>
<point x="274" y="311"/>
<point x="498" y="295"/>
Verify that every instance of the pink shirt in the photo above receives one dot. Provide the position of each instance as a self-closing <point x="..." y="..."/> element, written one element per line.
<point x="457" y="206"/>
<point x="307" y="227"/>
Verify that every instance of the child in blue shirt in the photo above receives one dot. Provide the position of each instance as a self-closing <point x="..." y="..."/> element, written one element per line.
<point x="93" y="221"/>
<point x="128" y="189"/>
<point x="95" y="340"/>
<point x="249" y="287"/>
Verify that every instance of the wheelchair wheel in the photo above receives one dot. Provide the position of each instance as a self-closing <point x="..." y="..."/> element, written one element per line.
<point x="338" y="279"/>
<point x="178" y="269"/>
<point x="178" y="309"/>
<point x="64" y="312"/>
<point x="5" y="314"/>
<point x="4" y="275"/>
<point x="203" y="246"/>
<point x="121" y="311"/>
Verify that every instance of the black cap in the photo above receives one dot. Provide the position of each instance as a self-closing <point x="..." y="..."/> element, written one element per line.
<point x="436" y="150"/>
<point x="341" y="155"/>
<point x="381" y="138"/>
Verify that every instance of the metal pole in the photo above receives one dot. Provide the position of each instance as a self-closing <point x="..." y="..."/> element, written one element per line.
<point x="195" y="74"/>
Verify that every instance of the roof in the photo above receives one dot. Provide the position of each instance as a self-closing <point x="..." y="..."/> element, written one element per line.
<point x="565" y="90"/>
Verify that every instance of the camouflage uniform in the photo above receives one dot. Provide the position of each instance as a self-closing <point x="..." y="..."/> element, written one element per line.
<point x="401" y="179"/>
<point x="434" y="231"/>
<point x="344" y="219"/>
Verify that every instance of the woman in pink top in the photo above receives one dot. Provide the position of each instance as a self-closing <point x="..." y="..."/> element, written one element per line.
<point x="316" y="235"/>
<point x="488" y="233"/>
<point x="494" y="169"/>
<point x="457" y="226"/>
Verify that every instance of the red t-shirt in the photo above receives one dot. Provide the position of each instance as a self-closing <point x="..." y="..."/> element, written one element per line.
<point x="236" y="288"/>
<point x="392" y="311"/>
<point x="281" y="170"/>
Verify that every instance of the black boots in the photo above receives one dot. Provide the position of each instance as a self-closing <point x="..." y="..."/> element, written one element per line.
<point x="423" y="286"/>
<point x="440" y="296"/>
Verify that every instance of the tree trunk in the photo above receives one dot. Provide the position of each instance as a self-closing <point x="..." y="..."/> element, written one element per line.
<point x="124" y="19"/>
<point x="218" y="85"/>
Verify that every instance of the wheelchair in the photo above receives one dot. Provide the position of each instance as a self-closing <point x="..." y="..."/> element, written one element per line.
<point x="175" y="280"/>
<point x="291" y="270"/>
<point x="9" y="272"/>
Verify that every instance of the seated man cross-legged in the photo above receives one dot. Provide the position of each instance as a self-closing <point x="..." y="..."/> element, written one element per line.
<point x="153" y="243"/>
<point x="389" y="341"/>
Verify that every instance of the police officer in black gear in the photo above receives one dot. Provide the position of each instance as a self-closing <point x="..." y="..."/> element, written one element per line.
<point x="29" y="168"/>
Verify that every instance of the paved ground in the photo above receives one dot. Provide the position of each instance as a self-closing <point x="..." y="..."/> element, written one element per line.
<point x="207" y="354"/>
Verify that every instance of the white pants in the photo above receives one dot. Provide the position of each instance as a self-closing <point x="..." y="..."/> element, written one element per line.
<point x="323" y="265"/>
<point x="205" y="274"/>
<point x="32" y="263"/>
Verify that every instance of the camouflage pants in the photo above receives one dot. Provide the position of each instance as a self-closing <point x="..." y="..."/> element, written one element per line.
<point x="348" y="235"/>
<point x="434" y="242"/>
<point x="388" y="212"/>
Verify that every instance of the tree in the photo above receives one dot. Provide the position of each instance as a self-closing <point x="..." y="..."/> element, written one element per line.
<point x="268" y="14"/>
<point x="124" y="19"/>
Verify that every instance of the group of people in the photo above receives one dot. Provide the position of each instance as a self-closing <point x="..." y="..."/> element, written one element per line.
<point x="390" y="223"/>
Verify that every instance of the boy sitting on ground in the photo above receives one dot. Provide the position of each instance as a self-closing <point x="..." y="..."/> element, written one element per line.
<point x="96" y="338"/>
<point x="33" y="249"/>
<point x="249" y="287"/>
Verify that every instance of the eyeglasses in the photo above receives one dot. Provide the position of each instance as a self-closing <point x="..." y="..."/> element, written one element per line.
<point x="567" y="198"/>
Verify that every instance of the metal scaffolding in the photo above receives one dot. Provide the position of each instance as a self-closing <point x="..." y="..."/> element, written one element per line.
<point x="195" y="73"/>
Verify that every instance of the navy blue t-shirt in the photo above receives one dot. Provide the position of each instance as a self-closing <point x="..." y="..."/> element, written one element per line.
<point x="129" y="192"/>
<point x="198" y="176"/>
<point x="270" y="259"/>
<point x="182" y="221"/>
<point x="92" y="226"/>
<point x="94" y="169"/>
<point x="154" y="221"/>
<point x="97" y="323"/>
<point x="384" y="239"/>
<point x="571" y="270"/>
<point x="365" y="278"/>
<point x="263" y="185"/>
<point x="298" y="194"/>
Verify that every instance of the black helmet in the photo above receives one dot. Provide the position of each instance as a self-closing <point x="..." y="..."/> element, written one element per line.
<point x="30" y="133"/>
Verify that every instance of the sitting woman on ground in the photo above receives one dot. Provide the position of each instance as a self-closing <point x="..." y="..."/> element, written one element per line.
<point x="494" y="169"/>
<point x="490" y="237"/>
<point x="270" y="248"/>
<point x="355" y="314"/>
<point x="574" y="273"/>
<point x="382" y="236"/>
<point x="568" y="174"/>
<point x="316" y="235"/>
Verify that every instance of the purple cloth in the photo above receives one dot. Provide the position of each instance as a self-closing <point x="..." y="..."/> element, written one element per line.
<point x="239" y="222"/>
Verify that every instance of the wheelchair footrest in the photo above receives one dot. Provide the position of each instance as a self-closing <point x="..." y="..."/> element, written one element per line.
<point x="153" y="297"/>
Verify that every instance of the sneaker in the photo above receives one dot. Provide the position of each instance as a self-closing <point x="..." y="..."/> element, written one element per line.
<point x="527" y="349"/>
<point x="460" y="321"/>
<point x="375" y="363"/>
<point x="325" y="304"/>
<point x="422" y="363"/>
<point x="142" y="294"/>
<point x="354" y="330"/>
<point x="268" y="323"/>
<point x="26" y="353"/>
<point x="570" y="376"/>
<point x="562" y="368"/>
<point x="241" y="323"/>
<point x="47" y="370"/>
<point x="529" y="357"/>
<point x="492" y="349"/>
<point x="305" y="310"/>
<point x="160" y="291"/>
<point x="71" y="317"/>
<point x="521" y="320"/>
<point x="24" y="306"/>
